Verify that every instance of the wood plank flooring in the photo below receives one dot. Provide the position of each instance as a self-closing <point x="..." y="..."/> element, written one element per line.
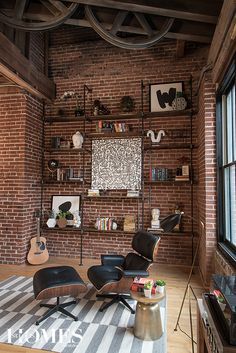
<point x="176" y="278"/>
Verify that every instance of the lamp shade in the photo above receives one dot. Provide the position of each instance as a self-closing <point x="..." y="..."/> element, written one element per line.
<point x="168" y="223"/>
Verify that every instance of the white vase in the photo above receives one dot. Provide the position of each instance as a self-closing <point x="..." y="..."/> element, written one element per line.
<point x="148" y="293"/>
<point x="51" y="222"/>
<point x="160" y="289"/>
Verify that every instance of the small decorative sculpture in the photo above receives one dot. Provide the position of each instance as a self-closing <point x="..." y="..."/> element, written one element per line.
<point x="155" y="223"/>
<point x="78" y="140"/>
<point x="152" y="135"/>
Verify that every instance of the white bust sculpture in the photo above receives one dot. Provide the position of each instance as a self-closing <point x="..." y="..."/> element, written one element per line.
<point x="77" y="140"/>
<point x="155" y="223"/>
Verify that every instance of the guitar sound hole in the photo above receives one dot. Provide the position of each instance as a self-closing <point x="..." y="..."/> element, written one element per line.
<point x="42" y="246"/>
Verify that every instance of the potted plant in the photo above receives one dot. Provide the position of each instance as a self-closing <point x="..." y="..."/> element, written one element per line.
<point x="79" y="111"/>
<point x="127" y="104"/>
<point x="70" y="218"/>
<point x="160" y="285"/>
<point x="51" y="222"/>
<point x="61" y="219"/>
<point x="148" y="289"/>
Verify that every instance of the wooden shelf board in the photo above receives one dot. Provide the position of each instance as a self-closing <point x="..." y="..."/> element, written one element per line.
<point x="67" y="150"/>
<point x="117" y="231"/>
<point x="166" y="182"/>
<point x="112" y="197"/>
<point x="170" y="114"/>
<point x="169" y="147"/>
<point x="65" y="119"/>
<point x="67" y="229"/>
<point x="100" y="135"/>
<point x="63" y="181"/>
<point x="115" y="117"/>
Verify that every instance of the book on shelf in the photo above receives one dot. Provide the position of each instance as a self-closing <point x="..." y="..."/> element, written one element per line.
<point x="93" y="192"/>
<point x="139" y="282"/>
<point x="182" y="178"/>
<point x="132" y="193"/>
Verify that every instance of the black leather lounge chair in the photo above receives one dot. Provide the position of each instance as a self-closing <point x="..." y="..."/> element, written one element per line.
<point x="113" y="278"/>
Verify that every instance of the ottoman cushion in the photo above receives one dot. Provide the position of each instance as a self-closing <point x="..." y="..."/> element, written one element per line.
<point x="57" y="282"/>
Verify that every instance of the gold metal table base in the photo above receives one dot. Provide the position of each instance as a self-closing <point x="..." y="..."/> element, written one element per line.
<point x="148" y="325"/>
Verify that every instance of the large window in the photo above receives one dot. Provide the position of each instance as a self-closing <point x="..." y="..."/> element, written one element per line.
<point x="226" y="151"/>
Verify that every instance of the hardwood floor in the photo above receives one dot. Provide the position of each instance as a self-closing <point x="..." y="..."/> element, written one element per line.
<point x="176" y="278"/>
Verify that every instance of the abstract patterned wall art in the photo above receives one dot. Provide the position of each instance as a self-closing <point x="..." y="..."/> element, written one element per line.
<point x="116" y="164"/>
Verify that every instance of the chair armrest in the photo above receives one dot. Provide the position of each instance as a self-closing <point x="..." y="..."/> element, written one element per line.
<point x="112" y="260"/>
<point x="135" y="273"/>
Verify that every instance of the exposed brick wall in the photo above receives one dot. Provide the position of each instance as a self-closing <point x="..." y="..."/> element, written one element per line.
<point x="207" y="176"/>
<point x="112" y="73"/>
<point x="20" y="155"/>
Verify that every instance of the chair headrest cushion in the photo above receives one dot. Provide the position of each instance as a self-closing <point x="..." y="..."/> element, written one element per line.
<point x="145" y="244"/>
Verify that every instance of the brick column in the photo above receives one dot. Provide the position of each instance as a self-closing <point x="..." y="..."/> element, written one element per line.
<point x="207" y="176"/>
<point x="20" y="166"/>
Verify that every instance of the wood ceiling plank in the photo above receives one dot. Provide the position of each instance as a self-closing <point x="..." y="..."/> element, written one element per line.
<point x="150" y="9"/>
<point x="226" y="54"/>
<point x="180" y="47"/>
<point x="50" y="7"/>
<point x="225" y="19"/>
<point x="19" y="8"/>
<point x="130" y="29"/>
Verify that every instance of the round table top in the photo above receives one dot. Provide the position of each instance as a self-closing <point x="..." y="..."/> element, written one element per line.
<point x="139" y="296"/>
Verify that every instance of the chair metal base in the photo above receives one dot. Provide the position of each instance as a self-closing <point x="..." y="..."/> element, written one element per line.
<point x="114" y="299"/>
<point x="57" y="307"/>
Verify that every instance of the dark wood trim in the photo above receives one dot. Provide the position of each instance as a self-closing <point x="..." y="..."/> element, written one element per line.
<point x="141" y="6"/>
<point x="20" y="70"/>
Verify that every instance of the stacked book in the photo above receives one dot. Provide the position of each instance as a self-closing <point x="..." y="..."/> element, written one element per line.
<point x="159" y="174"/>
<point x="93" y="192"/>
<point x="138" y="284"/>
<point x="104" y="223"/>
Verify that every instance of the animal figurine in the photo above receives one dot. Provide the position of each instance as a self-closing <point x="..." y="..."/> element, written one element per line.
<point x="152" y="135"/>
<point x="77" y="140"/>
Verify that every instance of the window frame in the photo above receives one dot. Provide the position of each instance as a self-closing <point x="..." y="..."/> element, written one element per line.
<point x="227" y="247"/>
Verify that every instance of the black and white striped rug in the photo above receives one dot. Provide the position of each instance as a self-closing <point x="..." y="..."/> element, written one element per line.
<point x="108" y="332"/>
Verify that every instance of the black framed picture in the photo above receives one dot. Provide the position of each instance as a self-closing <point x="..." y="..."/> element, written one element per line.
<point x="66" y="203"/>
<point x="163" y="95"/>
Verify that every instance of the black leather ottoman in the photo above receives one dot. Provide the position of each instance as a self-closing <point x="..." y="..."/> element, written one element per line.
<point x="57" y="282"/>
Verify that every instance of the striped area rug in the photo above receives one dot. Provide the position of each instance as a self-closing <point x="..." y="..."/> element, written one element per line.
<point x="108" y="332"/>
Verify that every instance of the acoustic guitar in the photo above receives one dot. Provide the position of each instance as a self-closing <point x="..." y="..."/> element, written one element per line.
<point x="38" y="253"/>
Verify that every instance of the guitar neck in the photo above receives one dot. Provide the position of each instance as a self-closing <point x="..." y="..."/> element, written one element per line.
<point x="38" y="230"/>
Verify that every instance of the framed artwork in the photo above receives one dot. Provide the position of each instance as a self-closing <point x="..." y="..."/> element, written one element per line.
<point x="66" y="203"/>
<point x="162" y="95"/>
<point x="116" y="164"/>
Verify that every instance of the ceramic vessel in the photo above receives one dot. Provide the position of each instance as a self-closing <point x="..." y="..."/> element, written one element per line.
<point x="148" y="293"/>
<point x="160" y="289"/>
<point x="51" y="222"/>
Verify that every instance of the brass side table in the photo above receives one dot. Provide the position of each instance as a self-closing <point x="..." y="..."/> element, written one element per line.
<point x="147" y="324"/>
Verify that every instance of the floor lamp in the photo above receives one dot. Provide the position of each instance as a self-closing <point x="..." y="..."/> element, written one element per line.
<point x="168" y="224"/>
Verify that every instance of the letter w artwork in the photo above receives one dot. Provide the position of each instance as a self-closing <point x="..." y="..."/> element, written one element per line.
<point x="163" y="95"/>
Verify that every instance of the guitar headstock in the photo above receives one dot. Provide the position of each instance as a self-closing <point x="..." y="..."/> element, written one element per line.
<point x="37" y="214"/>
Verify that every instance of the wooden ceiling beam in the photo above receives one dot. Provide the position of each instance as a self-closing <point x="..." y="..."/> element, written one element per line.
<point x="180" y="47"/>
<point x="137" y="30"/>
<point x="223" y="44"/>
<point x="225" y="19"/>
<point x="20" y="70"/>
<point x="150" y="8"/>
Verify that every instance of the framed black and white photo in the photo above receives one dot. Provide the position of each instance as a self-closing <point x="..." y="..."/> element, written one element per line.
<point x="66" y="204"/>
<point x="162" y="96"/>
